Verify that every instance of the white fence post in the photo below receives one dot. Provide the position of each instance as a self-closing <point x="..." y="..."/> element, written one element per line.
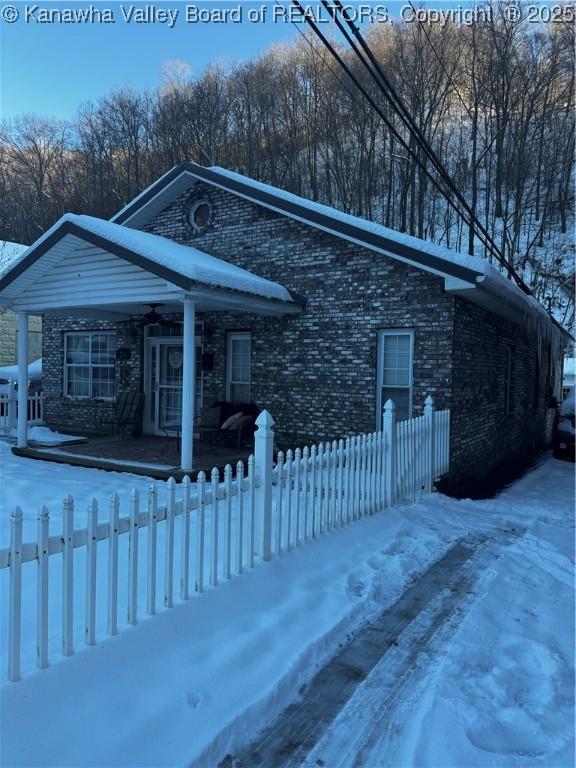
<point x="185" y="541"/>
<point x="12" y="421"/>
<point x="169" y="544"/>
<point x="68" y="576"/>
<point x="200" y="524"/>
<point x="152" y="513"/>
<point x="113" y="530"/>
<point x="91" y="564"/>
<point x="390" y="451"/>
<point x="15" y="607"/>
<point x="329" y="485"/>
<point x="133" y="557"/>
<point x="430" y="421"/>
<point x="42" y="602"/>
<point x="214" y="525"/>
<point x="240" y="517"/>
<point x="263" y="457"/>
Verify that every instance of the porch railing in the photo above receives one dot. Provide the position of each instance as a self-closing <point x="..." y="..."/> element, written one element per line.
<point x="9" y="409"/>
<point x="201" y="536"/>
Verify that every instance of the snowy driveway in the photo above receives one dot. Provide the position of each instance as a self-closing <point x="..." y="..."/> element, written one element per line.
<point x="472" y="666"/>
<point x="494" y="686"/>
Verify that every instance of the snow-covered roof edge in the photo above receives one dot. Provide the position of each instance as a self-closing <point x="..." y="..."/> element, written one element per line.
<point x="172" y="259"/>
<point x="420" y="253"/>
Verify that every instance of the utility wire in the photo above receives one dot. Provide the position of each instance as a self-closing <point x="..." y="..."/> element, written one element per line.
<point x="413" y="130"/>
<point x="379" y="111"/>
<point x="377" y="73"/>
<point x="388" y="91"/>
<point x="353" y="96"/>
<point x="487" y="144"/>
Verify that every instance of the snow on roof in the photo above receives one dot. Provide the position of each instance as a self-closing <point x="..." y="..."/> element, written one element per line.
<point x="488" y="276"/>
<point x="569" y="366"/>
<point x="9" y="253"/>
<point x="10" y="372"/>
<point x="183" y="259"/>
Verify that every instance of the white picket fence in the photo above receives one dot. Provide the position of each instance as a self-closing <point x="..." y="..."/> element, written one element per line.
<point x="9" y="409"/>
<point x="219" y="529"/>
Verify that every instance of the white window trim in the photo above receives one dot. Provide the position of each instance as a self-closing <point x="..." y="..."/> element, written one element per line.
<point x="230" y="337"/>
<point x="380" y="372"/>
<point x="90" y="365"/>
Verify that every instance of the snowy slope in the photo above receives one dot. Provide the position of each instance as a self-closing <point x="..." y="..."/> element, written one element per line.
<point x="496" y="685"/>
<point x="9" y="254"/>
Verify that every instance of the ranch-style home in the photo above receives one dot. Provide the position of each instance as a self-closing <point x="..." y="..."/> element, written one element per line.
<point x="210" y="287"/>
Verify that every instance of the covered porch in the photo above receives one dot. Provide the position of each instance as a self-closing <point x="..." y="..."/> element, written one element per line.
<point x="93" y="270"/>
<point x="149" y="455"/>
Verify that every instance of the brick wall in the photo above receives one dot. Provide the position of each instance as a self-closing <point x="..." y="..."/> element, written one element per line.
<point x="485" y="433"/>
<point x="84" y="415"/>
<point x="316" y="372"/>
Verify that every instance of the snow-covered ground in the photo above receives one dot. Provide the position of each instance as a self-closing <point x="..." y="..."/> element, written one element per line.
<point x="194" y="683"/>
<point x="496" y="685"/>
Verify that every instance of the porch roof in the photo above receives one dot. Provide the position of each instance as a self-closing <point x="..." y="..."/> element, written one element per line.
<point x="83" y="260"/>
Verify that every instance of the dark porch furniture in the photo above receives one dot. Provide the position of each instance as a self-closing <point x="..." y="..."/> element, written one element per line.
<point x="128" y="410"/>
<point x="221" y="420"/>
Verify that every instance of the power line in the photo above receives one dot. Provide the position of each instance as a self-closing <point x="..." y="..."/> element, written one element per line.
<point x="385" y="119"/>
<point x="392" y="97"/>
<point x="391" y="128"/>
<point x="385" y="86"/>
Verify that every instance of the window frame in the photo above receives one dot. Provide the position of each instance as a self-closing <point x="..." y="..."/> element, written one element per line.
<point x="90" y="365"/>
<point x="382" y="333"/>
<point x="194" y="206"/>
<point x="231" y="336"/>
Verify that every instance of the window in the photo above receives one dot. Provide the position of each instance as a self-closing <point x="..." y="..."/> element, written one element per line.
<point x="395" y="353"/>
<point x="238" y="368"/>
<point x="200" y="215"/>
<point x="509" y="360"/>
<point x="89" y="365"/>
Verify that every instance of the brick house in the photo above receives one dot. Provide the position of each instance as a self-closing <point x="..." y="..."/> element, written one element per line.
<point x="318" y="316"/>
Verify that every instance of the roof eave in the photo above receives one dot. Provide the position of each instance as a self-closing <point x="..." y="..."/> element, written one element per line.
<point x="373" y="241"/>
<point x="185" y="283"/>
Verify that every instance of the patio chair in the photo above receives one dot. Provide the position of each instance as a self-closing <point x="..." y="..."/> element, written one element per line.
<point x="209" y="422"/>
<point x="242" y="420"/>
<point x="128" y="410"/>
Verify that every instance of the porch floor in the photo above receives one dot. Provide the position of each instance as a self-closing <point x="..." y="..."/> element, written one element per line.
<point x="157" y="457"/>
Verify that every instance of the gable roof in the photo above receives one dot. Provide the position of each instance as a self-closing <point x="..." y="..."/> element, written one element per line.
<point x="181" y="265"/>
<point x="421" y="253"/>
<point x="472" y="277"/>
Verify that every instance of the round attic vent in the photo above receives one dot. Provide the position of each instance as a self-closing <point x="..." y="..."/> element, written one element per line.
<point x="200" y="215"/>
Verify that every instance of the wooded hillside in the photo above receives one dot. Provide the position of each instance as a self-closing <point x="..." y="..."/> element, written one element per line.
<point x="494" y="99"/>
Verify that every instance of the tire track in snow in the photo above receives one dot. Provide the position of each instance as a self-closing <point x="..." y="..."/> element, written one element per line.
<point x="381" y="658"/>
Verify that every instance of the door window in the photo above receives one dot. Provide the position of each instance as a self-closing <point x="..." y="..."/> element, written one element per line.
<point x="238" y="368"/>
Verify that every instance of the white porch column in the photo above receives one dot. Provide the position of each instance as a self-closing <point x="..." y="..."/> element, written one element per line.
<point x="22" y="379"/>
<point x="188" y="385"/>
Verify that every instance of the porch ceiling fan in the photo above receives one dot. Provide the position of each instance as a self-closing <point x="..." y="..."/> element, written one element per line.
<point x="155" y="318"/>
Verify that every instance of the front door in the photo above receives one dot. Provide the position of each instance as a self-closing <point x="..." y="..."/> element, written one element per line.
<point x="163" y="403"/>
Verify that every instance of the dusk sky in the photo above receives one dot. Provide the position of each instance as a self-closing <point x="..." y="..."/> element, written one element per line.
<point x="52" y="68"/>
